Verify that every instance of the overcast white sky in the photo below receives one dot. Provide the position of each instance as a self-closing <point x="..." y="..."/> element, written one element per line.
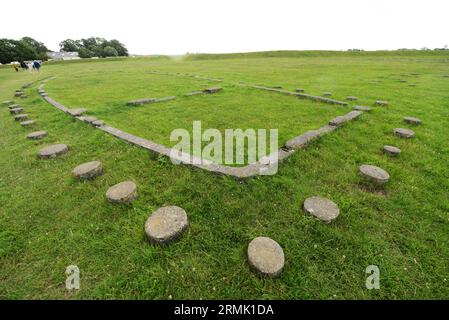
<point x="177" y="27"/>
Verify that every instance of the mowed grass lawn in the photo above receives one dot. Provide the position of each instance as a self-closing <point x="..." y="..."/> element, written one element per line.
<point x="105" y="94"/>
<point x="49" y="220"/>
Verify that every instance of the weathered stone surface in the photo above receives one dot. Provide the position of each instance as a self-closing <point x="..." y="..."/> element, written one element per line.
<point x="321" y="208"/>
<point x="90" y="119"/>
<point x="123" y="192"/>
<point x="412" y="120"/>
<point x="18" y="94"/>
<point x="88" y="170"/>
<point x="165" y="99"/>
<point x="362" y="108"/>
<point x="98" y="123"/>
<point x="327" y="94"/>
<point x="141" y="101"/>
<point x="37" y="135"/>
<point x="381" y="103"/>
<point x="351" y="98"/>
<point x="375" y="174"/>
<point x="15" y="110"/>
<point x="166" y="224"/>
<point x="53" y="151"/>
<point x="14" y="106"/>
<point x="7" y="102"/>
<point x="302" y="140"/>
<point x="299" y="90"/>
<point x="194" y="93"/>
<point x="21" y="117"/>
<point x="77" y="112"/>
<point x="392" y="150"/>
<point x="27" y="123"/>
<point x="212" y="90"/>
<point x="340" y="120"/>
<point x="266" y="257"/>
<point x="404" y="133"/>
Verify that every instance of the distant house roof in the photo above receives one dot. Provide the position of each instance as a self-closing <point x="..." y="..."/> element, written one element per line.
<point x="62" y="55"/>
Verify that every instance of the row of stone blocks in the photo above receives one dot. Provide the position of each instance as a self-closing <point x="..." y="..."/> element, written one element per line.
<point x="154" y="100"/>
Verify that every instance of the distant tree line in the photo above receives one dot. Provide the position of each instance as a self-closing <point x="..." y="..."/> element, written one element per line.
<point x="27" y="49"/>
<point x="20" y="50"/>
<point x="94" y="47"/>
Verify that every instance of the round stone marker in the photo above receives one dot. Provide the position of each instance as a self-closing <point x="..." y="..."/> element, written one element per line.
<point x="375" y="174"/>
<point x="404" y="133"/>
<point x="21" y="117"/>
<point x="123" y="192"/>
<point x="392" y="150"/>
<point x="321" y="208"/>
<point x="266" y="256"/>
<point x="88" y="170"/>
<point x="53" y="151"/>
<point x="166" y="224"/>
<point x="27" y="123"/>
<point x="37" y="135"/>
<point x="362" y="108"/>
<point x="412" y="120"/>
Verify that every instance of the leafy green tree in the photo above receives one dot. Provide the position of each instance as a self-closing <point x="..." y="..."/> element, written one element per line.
<point x="69" y="45"/>
<point x="94" y="47"/>
<point x="36" y="45"/>
<point x="121" y="49"/>
<point x="39" y="47"/>
<point x="85" y="53"/>
<point x="16" y="50"/>
<point x="110" y="52"/>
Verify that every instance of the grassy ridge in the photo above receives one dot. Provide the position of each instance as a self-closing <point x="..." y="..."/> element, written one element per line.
<point x="319" y="53"/>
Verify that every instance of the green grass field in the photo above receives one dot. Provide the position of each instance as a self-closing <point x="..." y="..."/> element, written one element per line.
<point x="49" y="220"/>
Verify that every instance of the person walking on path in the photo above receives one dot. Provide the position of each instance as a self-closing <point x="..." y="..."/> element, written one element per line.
<point x="23" y="65"/>
<point x="36" y="65"/>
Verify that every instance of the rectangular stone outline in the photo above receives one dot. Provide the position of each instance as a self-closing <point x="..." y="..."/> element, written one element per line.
<point x="253" y="169"/>
<point x="242" y="84"/>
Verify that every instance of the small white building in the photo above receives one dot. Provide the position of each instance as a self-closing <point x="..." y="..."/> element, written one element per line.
<point x="63" y="55"/>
